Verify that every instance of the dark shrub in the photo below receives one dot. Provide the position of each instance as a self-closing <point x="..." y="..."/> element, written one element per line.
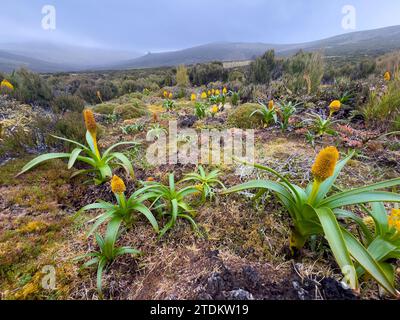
<point x="31" y="88"/>
<point x="88" y="93"/>
<point x="202" y="74"/>
<point x="68" y="103"/>
<point x="108" y="90"/>
<point x="261" y="70"/>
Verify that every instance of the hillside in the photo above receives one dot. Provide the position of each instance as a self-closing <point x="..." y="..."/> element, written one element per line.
<point x="363" y="42"/>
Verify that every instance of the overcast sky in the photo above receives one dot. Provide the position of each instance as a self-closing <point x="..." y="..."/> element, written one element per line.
<point x="156" y="25"/>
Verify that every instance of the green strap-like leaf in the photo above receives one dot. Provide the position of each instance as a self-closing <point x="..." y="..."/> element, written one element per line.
<point x="74" y="155"/>
<point x="380" y="217"/>
<point x="43" y="158"/>
<point x="262" y="184"/>
<point x="100" y="220"/>
<point x="337" y="244"/>
<point x="147" y="213"/>
<point x="366" y="197"/>
<point x="360" y="190"/>
<point x="126" y="163"/>
<point x="70" y="141"/>
<point x="100" y="269"/>
<point x="111" y="237"/>
<point x="350" y="215"/>
<point x="107" y="152"/>
<point x="365" y="259"/>
<point x="127" y="250"/>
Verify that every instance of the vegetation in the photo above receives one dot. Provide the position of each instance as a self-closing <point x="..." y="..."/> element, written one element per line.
<point x="100" y="164"/>
<point x="337" y="221"/>
<point x="313" y="213"/>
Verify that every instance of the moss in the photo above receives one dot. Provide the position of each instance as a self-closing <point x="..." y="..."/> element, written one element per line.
<point x="131" y="110"/>
<point x="26" y="251"/>
<point x="34" y="227"/>
<point x="41" y="189"/>
<point x="240" y="117"/>
<point x="105" y="108"/>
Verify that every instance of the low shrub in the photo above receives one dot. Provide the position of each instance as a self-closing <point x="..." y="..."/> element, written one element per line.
<point x="68" y="103"/>
<point x="31" y="88"/>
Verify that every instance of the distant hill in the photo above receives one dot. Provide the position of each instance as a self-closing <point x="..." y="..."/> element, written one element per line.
<point x="371" y="42"/>
<point x="10" y="62"/>
<point x="52" y="58"/>
<point x="222" y="51"/>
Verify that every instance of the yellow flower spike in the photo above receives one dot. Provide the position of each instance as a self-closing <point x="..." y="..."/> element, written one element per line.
<point x="224" y="90"/>
<point x="325" y="163"/>
<point x="170" y="95"/>
<point x="117" y="185"/>
<point x="91" y="127"/>
<point x="217" y="92"/>
<point x="322" y="169"/>
<point x="394" y="219"/>
<point x="334" y="106"/>
<point x="270" y="104"/>
<point x="6" y="84"/>
<point x="387" y="76"/>
<point x="193" y="97"/>
<point x="165" y="94"/>
<point x="90" y="121"/>
<point x="209" y="93"/>
<point x="204" y="95"/>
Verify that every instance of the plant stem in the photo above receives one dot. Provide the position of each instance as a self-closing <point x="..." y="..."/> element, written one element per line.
<point x="314" y="192"/>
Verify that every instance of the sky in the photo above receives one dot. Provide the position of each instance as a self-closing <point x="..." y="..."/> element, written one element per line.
<point x="162" y="25"/>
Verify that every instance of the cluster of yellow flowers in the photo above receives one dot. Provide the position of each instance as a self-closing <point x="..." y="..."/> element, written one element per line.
<point x="394" y="219"/>
<point x="193" y="97"/>
<point x="334" y="107"/>
<point x="271" y="104"/>
<point x="387" y="76"/>
<point x="6" y="84"/>
<point x="168" y="95"/>
<point x="213" y="92"/>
